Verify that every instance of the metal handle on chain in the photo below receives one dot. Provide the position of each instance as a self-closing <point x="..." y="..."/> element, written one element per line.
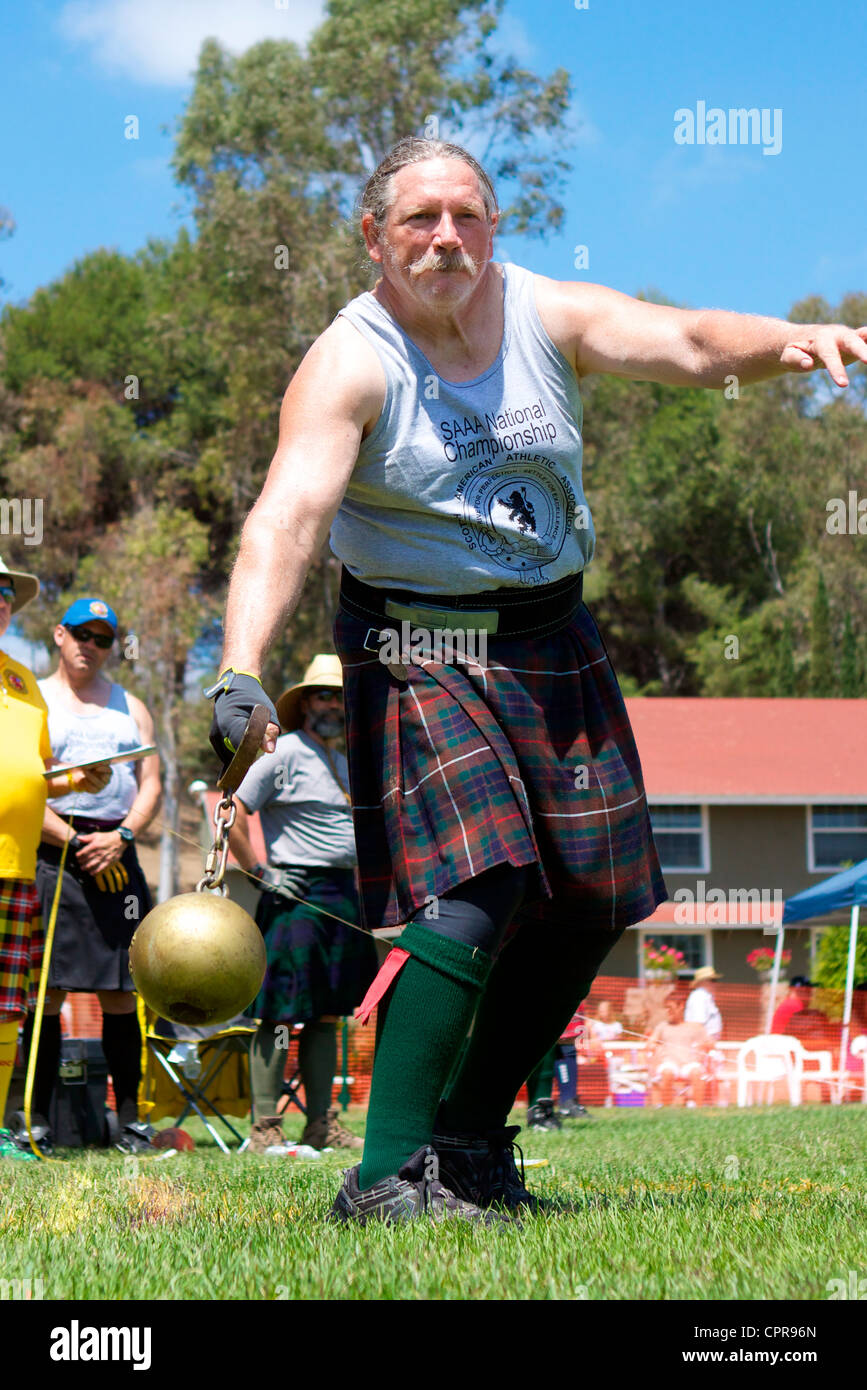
<point x="215" y="864"/>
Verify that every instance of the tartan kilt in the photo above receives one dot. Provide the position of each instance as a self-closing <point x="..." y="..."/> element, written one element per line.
<point x="316" y="965"/>
<point x="21" y="945"/>
<point x="529" y="760"/>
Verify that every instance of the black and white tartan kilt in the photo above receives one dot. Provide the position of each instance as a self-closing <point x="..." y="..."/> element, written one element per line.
<point x="527" y="760"/>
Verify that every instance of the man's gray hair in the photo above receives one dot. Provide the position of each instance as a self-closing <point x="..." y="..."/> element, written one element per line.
<point x="378" y="194"/>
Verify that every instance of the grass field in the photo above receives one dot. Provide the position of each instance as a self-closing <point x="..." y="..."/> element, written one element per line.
<point x="751" y="1204"/>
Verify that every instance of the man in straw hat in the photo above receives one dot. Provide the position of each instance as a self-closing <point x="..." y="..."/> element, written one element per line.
<point x="25" y="754"/>
<point x="436" y="428"/>
<point x="320" y="961"/>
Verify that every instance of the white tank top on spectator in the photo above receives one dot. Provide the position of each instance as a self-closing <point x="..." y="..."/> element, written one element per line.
<point x="76" y="738"/>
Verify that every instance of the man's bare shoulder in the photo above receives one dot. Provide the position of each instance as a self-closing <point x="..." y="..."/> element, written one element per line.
<point x="566" y="307"/>
<point x="139" y="710"/>
<point x="341" y="371"/>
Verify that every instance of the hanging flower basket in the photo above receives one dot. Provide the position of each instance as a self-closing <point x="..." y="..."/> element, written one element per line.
<point x="661" y="962"/>
<point x="762" y="959"/>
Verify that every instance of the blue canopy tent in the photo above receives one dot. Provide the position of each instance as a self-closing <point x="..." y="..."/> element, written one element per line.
<point x="848" y="889"/>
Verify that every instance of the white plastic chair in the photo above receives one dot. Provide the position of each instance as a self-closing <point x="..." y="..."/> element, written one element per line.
<point x="769" y="1058"/>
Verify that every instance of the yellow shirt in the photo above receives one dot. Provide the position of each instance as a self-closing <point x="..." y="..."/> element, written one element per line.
<point x="24" y="746"/>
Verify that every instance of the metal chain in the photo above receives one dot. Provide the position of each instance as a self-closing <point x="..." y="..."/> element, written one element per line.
<point x="215" y="863"/>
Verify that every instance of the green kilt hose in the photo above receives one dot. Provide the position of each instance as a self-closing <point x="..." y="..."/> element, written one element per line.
<point x="316" y="965"/>
<point x="527" y="760"/>
<point x="21" y="945"/>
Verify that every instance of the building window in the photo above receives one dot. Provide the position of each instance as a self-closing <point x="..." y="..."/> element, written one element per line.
<point x="695" y="946"/>
<point x="682" y="840"/>
<point x="836" y="836"/>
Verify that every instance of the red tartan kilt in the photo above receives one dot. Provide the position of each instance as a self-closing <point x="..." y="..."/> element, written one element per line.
<point x="21" y="944"/>
<point x="530" y="760"/>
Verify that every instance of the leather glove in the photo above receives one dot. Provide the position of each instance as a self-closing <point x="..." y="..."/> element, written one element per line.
<point x="112" y="879"/>
<point x="289" y="883"/>
<point x="236" y="694"/>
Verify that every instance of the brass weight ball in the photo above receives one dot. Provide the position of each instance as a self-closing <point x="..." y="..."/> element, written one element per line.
<point x="197" y="959"/>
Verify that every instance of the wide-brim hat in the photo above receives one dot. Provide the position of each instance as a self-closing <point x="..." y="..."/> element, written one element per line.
<point x="704" y="973"/>
<point x="324" y="672"/>
<point x="26" y="586"/>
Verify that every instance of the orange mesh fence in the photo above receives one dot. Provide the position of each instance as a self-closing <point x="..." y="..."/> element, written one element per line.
<point x="620" y="1071"/>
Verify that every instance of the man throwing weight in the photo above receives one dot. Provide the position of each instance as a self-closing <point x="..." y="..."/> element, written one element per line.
<point x="435" y="428"/>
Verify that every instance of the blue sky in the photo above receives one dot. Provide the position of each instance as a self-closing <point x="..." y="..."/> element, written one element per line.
<point x="721" y="225"/>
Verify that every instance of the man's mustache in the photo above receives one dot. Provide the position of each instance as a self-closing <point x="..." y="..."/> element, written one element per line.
<point x="444" y="260"/>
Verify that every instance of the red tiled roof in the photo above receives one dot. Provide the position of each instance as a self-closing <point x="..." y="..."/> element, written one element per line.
<point x="752" y="750"/>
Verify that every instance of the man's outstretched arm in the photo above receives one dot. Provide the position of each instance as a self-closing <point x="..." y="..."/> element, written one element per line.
<point x="601" y="330"/>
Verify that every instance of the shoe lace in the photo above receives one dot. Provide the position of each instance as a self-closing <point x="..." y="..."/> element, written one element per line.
<point x="504" y="1166"/>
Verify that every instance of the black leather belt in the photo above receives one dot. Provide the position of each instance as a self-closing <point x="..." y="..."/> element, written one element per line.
<point x="88" y="826"/>
<point x="497" y="612"/>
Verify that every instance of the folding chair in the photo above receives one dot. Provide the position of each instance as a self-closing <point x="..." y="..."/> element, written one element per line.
<point x="195" y="1068"/>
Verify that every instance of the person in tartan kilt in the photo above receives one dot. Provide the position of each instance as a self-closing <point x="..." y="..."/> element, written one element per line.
<point x="320" y="962"/>
<point x="497" y="796"/>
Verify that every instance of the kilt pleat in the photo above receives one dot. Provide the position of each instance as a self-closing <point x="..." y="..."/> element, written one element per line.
<point x="529" y="759"/>
<point x="21" y="946"/>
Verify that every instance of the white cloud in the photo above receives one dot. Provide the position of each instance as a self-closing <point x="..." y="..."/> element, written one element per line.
<point x="158" y="41"/>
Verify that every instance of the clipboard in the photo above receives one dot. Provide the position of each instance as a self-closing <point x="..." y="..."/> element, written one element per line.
<point x="133" y="755"/>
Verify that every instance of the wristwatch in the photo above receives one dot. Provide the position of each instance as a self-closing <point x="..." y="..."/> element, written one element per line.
<point x="126" y="834"/>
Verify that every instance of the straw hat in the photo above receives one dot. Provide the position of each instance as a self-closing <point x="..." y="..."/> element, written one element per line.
<point x="704" y="972"/>
<point x="26" y="586"/>
<point x="324" y="672"/>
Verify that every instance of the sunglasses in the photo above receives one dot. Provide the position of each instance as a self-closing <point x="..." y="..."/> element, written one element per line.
<point x="85" y="634"/>
<point x="7" y="592"/>
<point x="333" y="697"/>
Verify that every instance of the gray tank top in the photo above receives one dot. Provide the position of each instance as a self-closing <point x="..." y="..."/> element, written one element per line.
<point x="463" y="487"/>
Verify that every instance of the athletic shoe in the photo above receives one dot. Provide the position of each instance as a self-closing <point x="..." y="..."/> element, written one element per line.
<point x="326" y="1132"/>
<point x="413" y="1192"/>
<point x="136" y="1139"/>
<point x="573" y="1111"/>
<point x="10" y="1148"/>
<point x="481" y="1168"/>
<point x="541" y="1117"/>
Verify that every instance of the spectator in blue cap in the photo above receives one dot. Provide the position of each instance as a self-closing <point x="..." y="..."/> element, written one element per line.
<point x="104" y="894"/>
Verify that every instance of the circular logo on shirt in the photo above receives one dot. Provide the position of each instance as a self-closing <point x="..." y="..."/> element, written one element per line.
<point x="518" y="512"/>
